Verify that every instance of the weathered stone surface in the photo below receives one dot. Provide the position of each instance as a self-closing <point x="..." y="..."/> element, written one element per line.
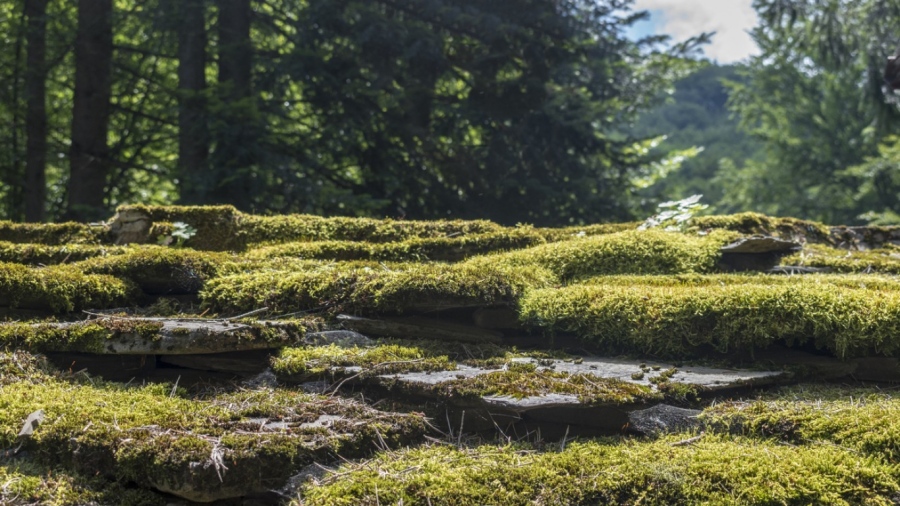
<point x="199" y="336"/>
<point x="762" y="244"/>
<point x="130" y="226"/>
<point x="625" y="370"/>
<point x="885" y="369"/>
<point x="755" y="253"/>
<point x="663" y="418"/>
<point x="343" y="338"/>
<point x="417" y="327"/>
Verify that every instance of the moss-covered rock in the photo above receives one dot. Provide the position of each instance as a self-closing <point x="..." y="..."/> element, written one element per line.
<point x="631" y="252"/>
<point x="755" y="223"/>
<point x="364" y="289"/>
<point x="682" y="320"/>
<point x="62" y="289"/>
<point x="39" y="254"/>
<point x="445" y="249"/>
<point x="883" y="260"/>
<point x="53" y="234"/>
<point x="712" y="470"/>
<point x="200" y="449"/>
<point x="158" y="269"/>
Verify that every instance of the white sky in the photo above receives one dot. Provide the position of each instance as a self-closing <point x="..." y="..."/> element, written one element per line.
<point x="730" y="19"/>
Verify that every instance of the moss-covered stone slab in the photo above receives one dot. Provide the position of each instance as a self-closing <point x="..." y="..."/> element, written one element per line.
<point x="155" y="336"/>
<point x="713" y="469"/>
<point x="62" y="289"/>
<point x="201" y="449"/>
<point x="846" y="316"/>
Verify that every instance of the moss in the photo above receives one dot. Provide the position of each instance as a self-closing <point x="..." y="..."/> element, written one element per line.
<point x="39" y="254"/>
<point x="713" y="470"/>
<point x="158" y="269"/>
<point x="52" y="234"/>
<point x="633" y="252"/>
<point x="148" y="436"/>
<point x="574" y="232"/>
<point x="61" y="289"/>
<point x="355" y="287"/>
<point x="332" y="360"/>
<point x="27" y="482"/>
<point x="217" y="226"/>
<point x="867" y="420"/>
<point x="526" y="380"/>
<point x="884" y="260"/>
<point x="316" y="228"/>
<point x="755" y="223"/>
<point x="684" y="320"/>
<point x="447" y="249"/>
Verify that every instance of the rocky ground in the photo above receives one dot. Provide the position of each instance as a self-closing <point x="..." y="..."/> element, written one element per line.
<point x="181" y="355"/>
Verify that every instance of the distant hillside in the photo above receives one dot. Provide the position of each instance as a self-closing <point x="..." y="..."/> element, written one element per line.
<point x="697" y="115"/>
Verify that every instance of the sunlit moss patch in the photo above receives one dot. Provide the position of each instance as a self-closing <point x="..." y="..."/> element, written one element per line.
<point x="61" y="289"/>
<point x="333" y="360"/>
<point x="680" y="320"/>
<point x="711" y="470"/>
<point x="353" y="287"/>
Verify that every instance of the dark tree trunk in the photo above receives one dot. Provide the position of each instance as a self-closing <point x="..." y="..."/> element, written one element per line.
<point x="89" y="153"/>
<point x="236" y="138"/>
<point x="193" y="137"/>
<point x="36" y="111"/>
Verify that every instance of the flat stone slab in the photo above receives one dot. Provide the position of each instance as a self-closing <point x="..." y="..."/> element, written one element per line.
<point x="706" y="377"/>
<point x="761" y="244"/>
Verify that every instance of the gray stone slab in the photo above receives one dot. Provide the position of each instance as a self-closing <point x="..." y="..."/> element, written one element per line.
<point x="706" y="377"/>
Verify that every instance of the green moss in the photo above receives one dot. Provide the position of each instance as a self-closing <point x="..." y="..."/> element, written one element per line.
<point x="574" y="232"/>
<point x="39" y="254"/>
<point x="217" y="226"/>
<point x="447" y="249"/>
<point x="148" y="436"/>
<point x="713" y="470"/>
<point x="526" y="380"/>
<point x="884" y="260"/>
<point x="682" y="320"/>
<point x="27" y="482"/>
<point x="332" y="360"/>
<point x="158" y="269"/>
<point x="632" y="252"/>
<point x="52" y="234"/>
<point x="61" y="289"/>
<point x="755" y="223"/>
<point x="867" y="420"/>
<point x="316" y="228"/>
<point x="355" y="287"/>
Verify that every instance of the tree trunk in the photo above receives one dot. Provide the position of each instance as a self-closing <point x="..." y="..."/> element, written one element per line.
<point x="36" y="111"/>
<point x="89" y="153"/>
<point x="236" y="138"/>
<point x="193" y="137"/>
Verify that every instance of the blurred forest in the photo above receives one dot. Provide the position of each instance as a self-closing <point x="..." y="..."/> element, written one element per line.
<point x="538" y="111"/>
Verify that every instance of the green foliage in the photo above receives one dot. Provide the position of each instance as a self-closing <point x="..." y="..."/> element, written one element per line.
<point x="814" y="99"/>
<point x="675" y="216"/>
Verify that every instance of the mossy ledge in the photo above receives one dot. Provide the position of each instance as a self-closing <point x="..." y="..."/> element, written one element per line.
<point x="150" y="437"/>
<point x="683" y="320"/>
<point x="62" y="289"/>
<point x="711" y="470"/>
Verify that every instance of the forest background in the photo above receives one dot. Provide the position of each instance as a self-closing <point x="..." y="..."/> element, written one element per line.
<point x="533" y="111"/>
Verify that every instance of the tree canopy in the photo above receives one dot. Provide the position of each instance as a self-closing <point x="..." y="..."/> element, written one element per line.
<point x="513" y="110"/>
